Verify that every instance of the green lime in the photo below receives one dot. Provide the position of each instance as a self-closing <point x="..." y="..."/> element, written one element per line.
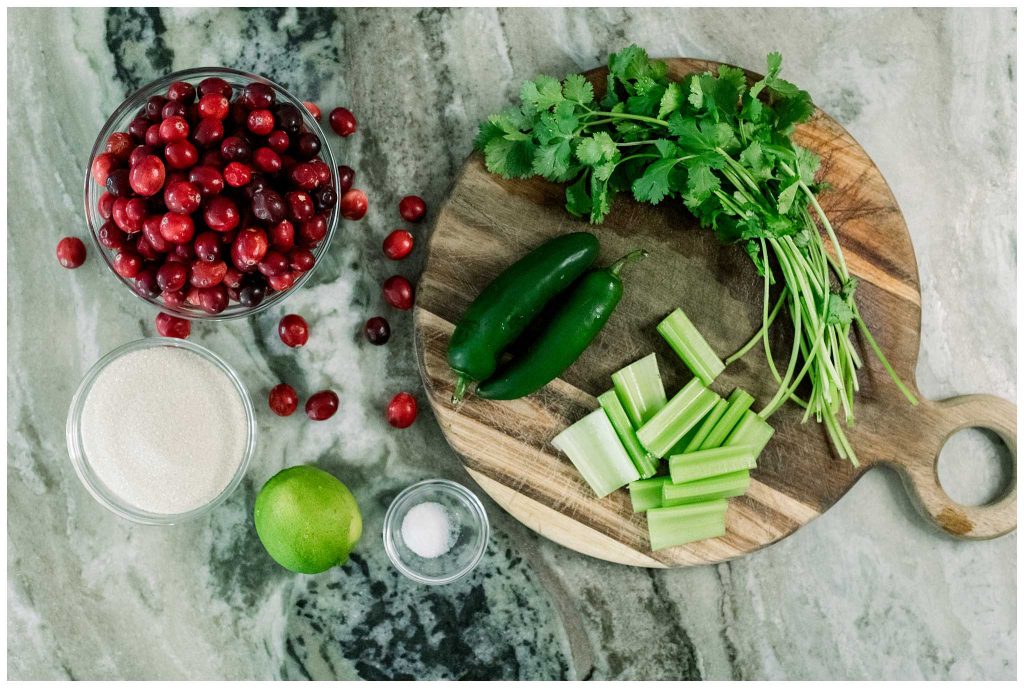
<point x="307" y="519"/>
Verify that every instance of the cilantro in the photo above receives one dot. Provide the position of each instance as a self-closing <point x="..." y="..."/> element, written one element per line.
<point x="654" y="185"/>
<point x="839" y="312"/>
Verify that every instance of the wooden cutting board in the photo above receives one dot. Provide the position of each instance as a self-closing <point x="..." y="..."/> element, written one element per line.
<point x="487" y="223"/>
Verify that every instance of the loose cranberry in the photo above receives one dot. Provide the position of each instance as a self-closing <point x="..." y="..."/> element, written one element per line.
<point x="301" y="260"/>
<point x="232" y="278"/>
<point x="402" y="410"/>
<point x="213" y="105"/>
<point x="398" y="244"/>
<point x="282" y="282"/>
<point x="213" y="299"/>
<point x="145" y="282"/>
<point x="208" y="132"/>
<point x="120" y="145"/>
<point x="174" y="109"/>
<point x="313" y="231"/>
<point x="207" y="246"/>
<point x="293" y="330"/>
<point x="322" y="405"/>
<point x="279" y="141"/>
<point x="343" y="122"/>
<point x="346" y="175"/>
<point x="137" y="128"/>
<point x="207" y="179"/>
<point x="412" y="208"/>
<point x="119" y="183"/>
<point x="398" y="292"/>
<point x="110" y="236"/>
<point x="128" y="214"/>
<point x="221" y="214"/>
<point x="306" y="146"/>
<point x="71" y="252"/>
<point x="283" y="400"/>
<point x="182" y="197"/>
<point x="252" y="295"/>
<point x="148" y="176"/>
<point x="151" y="230"/>
<point x="313" y="110"/>
<point x="354" y="205"/>
<point x="377" y="330"/>
<point x="145" y="250"/>
<point x="153" y="107"/>
<point x="171" y="276"/>
<point x="173" y="129"/>
<point x="260" y="122"/>
<point x="182" y="92"/>
<point x="274" y="263"/>
<point x="181" y="155"/>
<point x="289" y="119"/>
<point x="237" y="174"/>
<point x="301" y="205"/>
<point x="267" y="160"/>
<point x="138" y="153"/>
<point x="177" y="228"/>
<point x="169" y="326"/>
<point x="282" y="236"/>
<point x="304" y="176"/>
<point x="153" y="135"/>
<point x="105" y="205"/>
<point x="325" y="198"/>
<point x="249" y="248"/>
<point x="207" y="274"/>
<point x="174" y="298"/>
<point x="127" y="264"/>
<point x="267" y="205"/>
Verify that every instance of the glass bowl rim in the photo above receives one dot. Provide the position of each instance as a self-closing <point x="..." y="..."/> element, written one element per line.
<point x="80" y="461"/>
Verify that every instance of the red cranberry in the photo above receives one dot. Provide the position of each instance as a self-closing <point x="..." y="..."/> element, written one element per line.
<point x="173" y="129"/>
<point x="354" y="205"/>
<point x="301" y="205"/>
<point x="257" y="96"/>
<point x="252" y="295"/>
<point x="306" y="146"/>
<point x="377" y="330"/>
<point x="266" y="160"/>
<point x="127" y="264"/>
<point x="325" y="198"/>
<point x="174" y="109"/>
<point x="213" y="105"/>
<point x="71" y="252"/>
<point x="119" y="183"/>
<point x="237" y="174"/>
<point x="207" y="246"/>
<point x="174" y="298"/>
<point x="249" y="248"/>
<point x="153" y="135"/>
<point x="182" y="92"/>
<point x="282" y="282"/>
<point x="278" y="140"/>
<point x="323" y="171"/>
<point x="110" y="236"/>
<point x="267" y="205"/>
<point x="274" y="263"/>
<point x="412" y="208"/>
<point x="207" y="180"/>
<point x="185" y="252"/>
<point x="148" y="176"/>
<point x="304" y="176"/>
<point x="235" y="148"/>
<point x="322" y="405"/>
<point x="402" y="410"/>
<point x="146" y="250"/>
<point x="171" y="276"/>
<point x="137" y="128"/>
<point x="398" y="292"/>
<point x="301" y="260"/>
<point x="212" y="299"/>
<point x="120" y="145"/>
<point x="145" y="282"/>
<point x="398" y="244"/>
<point x="208" y="132"/>
<point x="182" y="197"/>
<point x="138" y="153"/>
<point x="128" y="214"/>
<point x="212" y="158"/>
<point x="151" y="230"/>
<point x="177" y="228"/>
<point x="289" y="119"/>
<point x="153" y="107"/>
<point x="181" y="155"/>
<point x="260" y="122"/>
<point x="346" y="175"/>
<point x="283" y="400"/>
<point x="207" y="274"/>
<point x="221" y="214"/>
<point x="313" y="231"/>
<point x="169" y="326"/>
<point x="282" y="236"/>
<point x="214" y="84"/>
<point x="343" y="122"/>
<point x="313" y="110"/>
<point x="293" y="330"/>
<point x="105" y="205"/>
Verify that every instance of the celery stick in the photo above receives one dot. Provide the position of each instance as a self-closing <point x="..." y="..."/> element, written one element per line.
<point x="640" y="390"/>
<point x="716" y="487"/>
<point x="594" y="448"/>
<point x="693" y="441"/>
<point x="644" y="462"/>
<point x="676" y="418"/>
<point x="677" y="525"/>
<point x="710" y="462"/>
<point x="751" y="430"/>
<point x="646" y="494"/>
<point x="691" y="346"/>
<point x="739" y="402"/>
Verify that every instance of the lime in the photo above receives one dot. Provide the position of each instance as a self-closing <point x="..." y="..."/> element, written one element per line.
<point x="307" y="519"/>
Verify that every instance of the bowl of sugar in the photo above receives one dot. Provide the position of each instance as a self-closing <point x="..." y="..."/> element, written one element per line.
<point x="161" y="431"/>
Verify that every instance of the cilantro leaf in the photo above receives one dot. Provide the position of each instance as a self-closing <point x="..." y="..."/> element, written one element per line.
<point x="671" y="100"/>
<point x="577" y="200"/>
<point x="543" y="93"/>
<point x="595" y="149"/>
<point x="654" y="185"/>
<point x="839" y="313"/>
<point x="787" y="196"/>
<point x="701" y="184"/>
<point x="755" y="160"/>
<point x="552" y="161"/>
<point x="807" y="164"/>
<point x="509" y="158"/>
<point x="577" y="89"/>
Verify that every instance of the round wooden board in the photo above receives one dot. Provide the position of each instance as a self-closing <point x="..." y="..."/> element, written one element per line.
<point x="488" y="222"/>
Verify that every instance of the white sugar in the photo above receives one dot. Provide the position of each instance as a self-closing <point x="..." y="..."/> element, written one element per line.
<point x="164" y="429"/>
<point x="428" y="531"/>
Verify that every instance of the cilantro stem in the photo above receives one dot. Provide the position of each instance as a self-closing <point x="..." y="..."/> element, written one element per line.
<point x="767" y="323"/>
<point x="626" y="115"/>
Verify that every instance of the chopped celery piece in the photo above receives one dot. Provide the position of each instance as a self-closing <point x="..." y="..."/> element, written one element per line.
<point x="751" y="430"/>
<point x="640" y="390"/>
<point x="691" y="346"/>
<point x="695" y="440"/>
<point x="716" y="487"/>
<point x="594" y="448"/>
<point x="646" y="494"/>
<point x="676" y="418"/>
<point x="711" y="462"/>
<point x="677" y="525"/>
<point x="644" y="462"/>
<point x="739" y="402"/>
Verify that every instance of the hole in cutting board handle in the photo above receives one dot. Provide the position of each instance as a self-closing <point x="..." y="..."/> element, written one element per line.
<point x="975" y="467"/>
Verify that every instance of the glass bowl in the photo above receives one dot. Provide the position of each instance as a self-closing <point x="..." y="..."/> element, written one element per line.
<point x="92" y="481"/>
<point x="119" y="121"/>
<point x="468" y="517"/>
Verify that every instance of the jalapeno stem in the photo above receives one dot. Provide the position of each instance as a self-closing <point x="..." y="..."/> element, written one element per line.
<point x="631" y="257"/>
<point x="460" y="390"/>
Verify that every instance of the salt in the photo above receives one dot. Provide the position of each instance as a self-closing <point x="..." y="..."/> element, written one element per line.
<point x="164" y="429"/>
<point x="428" y="530"/>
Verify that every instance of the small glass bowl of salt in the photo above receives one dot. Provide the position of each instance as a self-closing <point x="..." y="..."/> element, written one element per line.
<point x="436" y="531"/>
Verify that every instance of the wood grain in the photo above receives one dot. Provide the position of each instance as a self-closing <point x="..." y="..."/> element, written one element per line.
<point x="487" y="223"/>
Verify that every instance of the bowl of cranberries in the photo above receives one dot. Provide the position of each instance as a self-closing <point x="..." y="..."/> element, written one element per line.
<point x="212" y="193"/>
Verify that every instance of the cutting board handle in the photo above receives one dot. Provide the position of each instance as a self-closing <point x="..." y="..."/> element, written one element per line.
<point x="918" y="463"/>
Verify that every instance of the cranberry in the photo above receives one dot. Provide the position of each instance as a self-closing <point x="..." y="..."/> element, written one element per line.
<point x="293" y="330"/>
<point x="402" y="410"/>
<point x="208" y="132"/>
<point x="181" y="155"/>
<point x="137" y="128"/>
<point x="105" y="205"/>
<point x="322" y="405"/>
<point x="398" y="292"/>
<point x="346" y="175"/>
<point x="153" y="135"/>
<point x="214" y="84"/>
<point x="110" y="236"/>
<point x="145" y="282"/>
<point x="274" y="263"/>
<point x="177" y="228"/>
<point x="313" y="231"/>
<point x="323" y="171"/>
<point x="182" y="197"/>
<point x="153" y="107"/>
<point x="213" y="105"/>
<point x="343" y="122"/>
<point x="301" y="205"/>
<point x="207" y="246"/>
<point x="377" y="330"/>
<point x="301" y="260"/>
<point x="267" y="160"/>
<point x="237" y="174"/>
<point x="213" y="299"/>
<point x="267" y="205"/>
<point x="71" y="252"/>
<point x="235" y="148"/>
<point x="306" y="146"/>
<point x="138" y="153"/>
<point x="251" y="295"/>
<point x="257" y="96"/>
<point x="325" y="198"/>
<point x="174" y="109"/>
<point x="283" y="400"/>
<point x="147" y="177"/>
<point x="304" y="176"/>
<point x="282" y="236"/>
<point x="289" y="119"/>
<point x="173" y="129"/>
<point x="185" y="252"/>
<point x="146" y="250"/>
<point x="151" y="230"/>
<point x="283" y="281"/>
<point x="354" y="205"/>
<point x="119" y="183"/>
<point x="207" y="274"/>
<point x="313" y="110"/>
<point x="169" y="326"/>
<point x="207" y="179"/>
<point x="412" y="208"/>
<point x="174" y="298"/>
<point x="120" y="145"/>
<point x="221" y="214"/>
<point x="171" y="276"/>
<point x="260" y="122"/>
<point x="248" y="249"/>
<point x="127" y="264"/>
<point x="398" y="244"/>
<point x="182" y="92"/>
<point x="279" y="141"/>
<point x="128" y="214"/>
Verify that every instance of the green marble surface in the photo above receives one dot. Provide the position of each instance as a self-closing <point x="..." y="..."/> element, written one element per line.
<point x="866" y="591"/>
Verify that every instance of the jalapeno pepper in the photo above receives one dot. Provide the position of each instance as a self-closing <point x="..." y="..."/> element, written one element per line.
<point x="572" y="327"/>
<point x="507" y="305"/>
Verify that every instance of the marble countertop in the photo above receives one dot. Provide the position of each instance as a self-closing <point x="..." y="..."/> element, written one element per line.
<point x="868" y="590"/>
